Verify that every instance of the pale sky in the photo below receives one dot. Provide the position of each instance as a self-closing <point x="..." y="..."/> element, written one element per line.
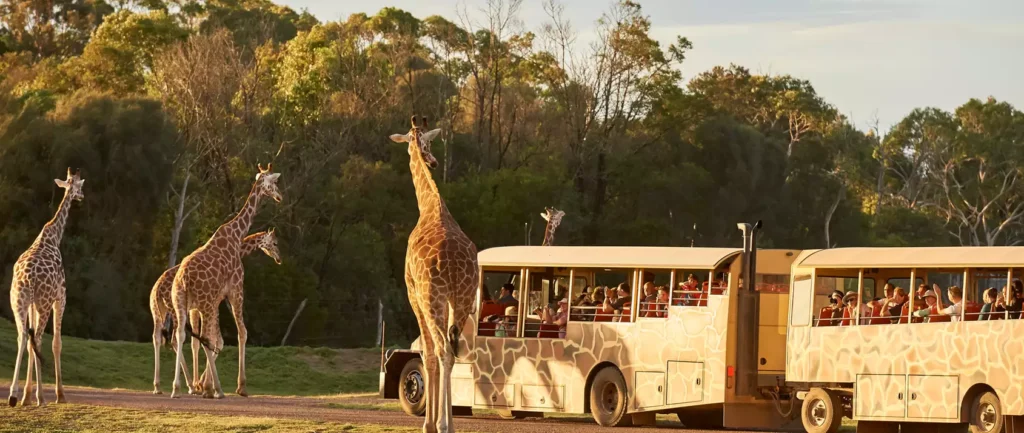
<point x="870" y="58"/>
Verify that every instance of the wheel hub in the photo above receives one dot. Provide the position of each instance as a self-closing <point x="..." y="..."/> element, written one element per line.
<point x="413" y="388"/>
<point x="609" y="398"/>
<point x="818" y="412"/>
<point x="988" y="416"/>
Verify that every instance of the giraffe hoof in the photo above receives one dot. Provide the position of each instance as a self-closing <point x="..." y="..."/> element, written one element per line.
<point x="241" y="392"/>
<point x="61" y="399"/>
<point x="157" y="392"/>
<point x="12" y="401"/>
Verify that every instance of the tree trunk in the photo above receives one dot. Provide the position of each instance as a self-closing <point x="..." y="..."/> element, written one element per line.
<point x="179" y="220"/>
<point x="832" y="211"/>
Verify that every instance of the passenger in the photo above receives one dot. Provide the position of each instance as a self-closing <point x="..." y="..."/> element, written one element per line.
<point x="956" y="295"/>
<point x="993" y="308"/>
<point x="850" y="308"/>
<point x="662" y="303"/>
<point x="507" y="325"/>
<point x="597" y="302"/>
<point x="1015" y="301"/>
<point x="895" y="307"/>
<point x="622" y="297"/>
<point x="560" y="318"/>
<point x="507" y="295"/>
<point x="650" y="300"/>
<point x="832" y="315"/>
<point x="930" y="313"/>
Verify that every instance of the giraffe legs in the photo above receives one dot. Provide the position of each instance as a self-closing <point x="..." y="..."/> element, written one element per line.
<point x="158" y="324"/>
<point x="197" y="382"/>
<point x="58" y="345"/>
<point x="236" y="310"/>
<point x="35" y="364"/>
<point x="215" y="342"/>
<point x="182" y="315"/>
<point x="22" y="320"/>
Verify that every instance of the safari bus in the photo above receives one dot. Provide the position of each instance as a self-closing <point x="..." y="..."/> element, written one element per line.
<point x="704" y="348"/>
<point x="959" y="364"/>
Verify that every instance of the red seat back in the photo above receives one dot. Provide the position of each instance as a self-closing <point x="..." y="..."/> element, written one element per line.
<point x="547" y="331"/>
<point x="972" y="310"/>
<point x="825" y="317"/>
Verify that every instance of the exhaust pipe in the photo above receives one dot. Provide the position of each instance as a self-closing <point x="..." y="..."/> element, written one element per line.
<point x="748" y="312"/>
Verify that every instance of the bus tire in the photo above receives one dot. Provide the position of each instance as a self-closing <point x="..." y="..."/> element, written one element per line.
<point x="412" y="388"/>
<point x="821" y="411"/>
<point x="608" y="397"/>
<point x="986" y="414"/>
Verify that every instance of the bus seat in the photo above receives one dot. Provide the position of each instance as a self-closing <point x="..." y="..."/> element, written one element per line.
<point x="847" y="320"/>
<point x="491" y="309"/>
<point x="825" y="317"/>
<point x="547" y="331"/>
<point x="972" y="311"/>
<point x="603" y="317"/>
<point x="486" y="329"/>
<point x="626" y="312"/>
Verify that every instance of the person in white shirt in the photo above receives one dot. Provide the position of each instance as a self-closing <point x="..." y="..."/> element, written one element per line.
<point x="956" y="295"/>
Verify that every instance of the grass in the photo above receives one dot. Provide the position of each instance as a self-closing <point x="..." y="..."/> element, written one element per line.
<point x="82" y="418"/>
<point x="299" y="371"/>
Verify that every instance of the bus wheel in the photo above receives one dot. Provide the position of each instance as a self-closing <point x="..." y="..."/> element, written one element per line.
<point x="986" y="414"/>
<point x="821" y="411"/>
<point x="608" y="397"/>
<point x="412" y="390"/>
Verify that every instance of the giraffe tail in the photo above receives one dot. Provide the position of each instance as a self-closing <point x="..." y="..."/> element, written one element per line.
<point x="30" y="333"/>
<point x="168" y="329"/>
<point x="453" y="339"/>
<point x="202" y="340"/>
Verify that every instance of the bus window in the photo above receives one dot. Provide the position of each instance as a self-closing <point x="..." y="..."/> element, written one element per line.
<point x="590" y="308"/>
<point x="493" y="318"/>
<point x="544" y="316"/>
<point x="802" y="300"/>
<point x="771" y="283"/>
<point x="653" y="294"/>
<point x="691" y="288"/>
<point x="828" y="309"/>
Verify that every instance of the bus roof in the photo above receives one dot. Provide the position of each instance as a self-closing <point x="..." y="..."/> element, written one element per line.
<point x="607" y="257"/>
<point x="924" y="257"/>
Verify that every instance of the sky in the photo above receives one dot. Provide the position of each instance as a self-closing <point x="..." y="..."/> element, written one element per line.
<point x="875" y="60"/>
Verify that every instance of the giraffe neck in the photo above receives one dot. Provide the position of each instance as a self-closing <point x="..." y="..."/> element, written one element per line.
<point x="549" y="235"/>
<point x="239" y="225"/>
<point x="53" y="231"/>
<point x="428" y="199"/>
<point x="250" y="243"/>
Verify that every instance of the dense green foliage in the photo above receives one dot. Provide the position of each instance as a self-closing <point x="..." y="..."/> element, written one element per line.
<point x="168" y="106"/>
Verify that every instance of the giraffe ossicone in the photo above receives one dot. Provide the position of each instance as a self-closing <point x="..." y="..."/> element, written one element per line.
<point x="37" y="289"/>
<point x="442" y="276"/>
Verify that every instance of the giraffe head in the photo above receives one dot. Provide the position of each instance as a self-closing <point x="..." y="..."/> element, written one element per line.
<point x="553" y="216"/>
<point x="268" y="182"/>
<point x="268" y="243"/>
<point x="419" y="141"/>
<point x="73" y="185"/>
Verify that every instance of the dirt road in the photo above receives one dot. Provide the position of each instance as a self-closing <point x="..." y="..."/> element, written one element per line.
<point x="326" y="409"/>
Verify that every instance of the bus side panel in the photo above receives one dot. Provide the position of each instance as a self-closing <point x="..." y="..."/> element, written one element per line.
<point x="682" y="357"/>
<point x="933" y="361"/>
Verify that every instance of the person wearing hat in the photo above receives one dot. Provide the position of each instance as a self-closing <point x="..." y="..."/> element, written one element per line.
<point x="930" y="313"/>
<point x="832" y="315"/>
<point x="850" y="307"/>
<point x="560" y="318"/>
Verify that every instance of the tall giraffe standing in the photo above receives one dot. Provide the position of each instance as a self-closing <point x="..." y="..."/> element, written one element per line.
<point x="442" y="276"/>
<point x="37" y="289"/>
<point x="554" y="218"/>
<point x="206" y="277"/>
<point x="160" y="304"/>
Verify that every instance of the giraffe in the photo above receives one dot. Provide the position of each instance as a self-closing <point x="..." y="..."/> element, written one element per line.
<point x="206" y="277"/>
<point x="160" y="303"/>
<point x="442" y="276"/>
<point x="37" y="289"/>
<point x="554" y="218"/>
